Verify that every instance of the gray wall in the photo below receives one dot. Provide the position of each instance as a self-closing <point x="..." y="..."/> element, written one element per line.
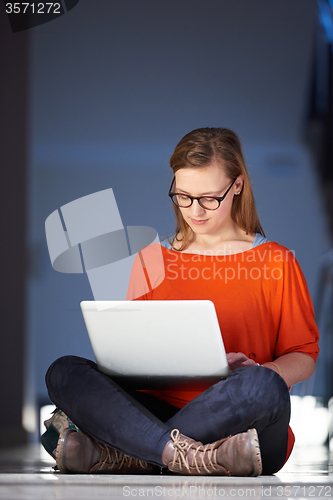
<point x="13" y="174"/>
<point x="115" y="85"/>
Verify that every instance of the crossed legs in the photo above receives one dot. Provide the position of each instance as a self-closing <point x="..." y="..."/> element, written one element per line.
<point x="139" y="425"/>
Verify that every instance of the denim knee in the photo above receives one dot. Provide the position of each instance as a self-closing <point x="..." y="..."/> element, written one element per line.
<point x="61" y="371"/>
<point x="265" y="387"/>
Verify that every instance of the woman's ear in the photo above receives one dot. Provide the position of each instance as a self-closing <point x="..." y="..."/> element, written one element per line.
<point x="238" y="186"/>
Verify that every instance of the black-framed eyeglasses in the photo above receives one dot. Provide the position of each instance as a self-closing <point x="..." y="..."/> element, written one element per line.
<point x="183" y="200"/>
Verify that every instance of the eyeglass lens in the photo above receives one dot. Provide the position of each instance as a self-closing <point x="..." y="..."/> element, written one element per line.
<point x="184" y="201"/>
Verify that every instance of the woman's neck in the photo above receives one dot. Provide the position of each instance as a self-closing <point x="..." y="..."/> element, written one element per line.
<point x="230" y="242"/>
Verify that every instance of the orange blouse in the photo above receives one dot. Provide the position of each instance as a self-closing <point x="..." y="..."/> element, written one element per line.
<point x="261" y="299"/>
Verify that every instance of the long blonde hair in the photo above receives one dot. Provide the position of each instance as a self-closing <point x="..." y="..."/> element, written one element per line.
<point x="200" y="148"/>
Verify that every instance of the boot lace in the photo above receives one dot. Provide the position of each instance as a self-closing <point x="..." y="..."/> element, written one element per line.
<point x="120" y="460"/>
<point x="182" y="447"/>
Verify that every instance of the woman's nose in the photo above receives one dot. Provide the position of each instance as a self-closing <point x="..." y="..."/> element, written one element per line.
<point x="196" y="209"/>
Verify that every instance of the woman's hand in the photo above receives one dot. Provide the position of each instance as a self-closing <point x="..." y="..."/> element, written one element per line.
<point x="238" y="359"/>
<point x="293" y="367"/>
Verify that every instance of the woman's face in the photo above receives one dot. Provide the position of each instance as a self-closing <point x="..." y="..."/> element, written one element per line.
<point x="206" y="181"/>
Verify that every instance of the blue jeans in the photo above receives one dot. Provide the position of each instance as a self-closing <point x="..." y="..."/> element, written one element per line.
<point x="139" y="424"/>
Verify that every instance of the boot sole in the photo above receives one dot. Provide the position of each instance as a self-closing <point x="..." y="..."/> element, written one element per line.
<point x="49" y="440"/>
<point x="256" y="455"/>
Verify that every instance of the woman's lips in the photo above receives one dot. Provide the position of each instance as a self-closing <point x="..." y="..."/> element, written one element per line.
<point x="199" y="222"/>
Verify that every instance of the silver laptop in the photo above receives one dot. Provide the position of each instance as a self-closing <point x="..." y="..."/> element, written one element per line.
<point x="154" y="343"/>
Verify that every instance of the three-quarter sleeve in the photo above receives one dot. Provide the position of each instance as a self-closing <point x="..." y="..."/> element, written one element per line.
<point x="147" y="273"/>
<point x="297" y="331"/>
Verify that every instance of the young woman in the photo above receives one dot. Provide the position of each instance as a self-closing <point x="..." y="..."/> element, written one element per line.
<point x="239" y="426"/>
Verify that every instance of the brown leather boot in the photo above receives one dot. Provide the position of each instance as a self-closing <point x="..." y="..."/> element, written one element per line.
<point x="78" y="453"/>
<point x="237" y="455"/>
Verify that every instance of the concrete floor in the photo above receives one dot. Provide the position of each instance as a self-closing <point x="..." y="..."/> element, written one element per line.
<point x="26" y="473"/>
